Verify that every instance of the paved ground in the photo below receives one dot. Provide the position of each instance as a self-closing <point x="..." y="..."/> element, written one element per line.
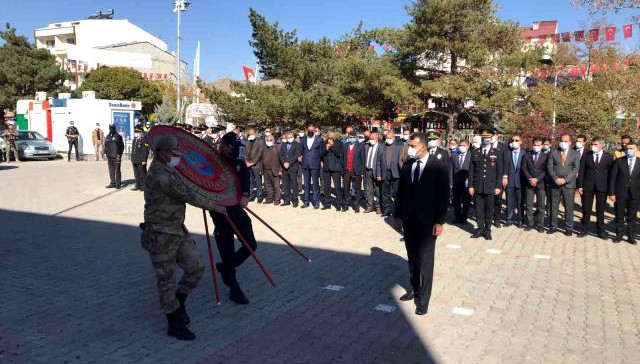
<point x="77" y="287"/>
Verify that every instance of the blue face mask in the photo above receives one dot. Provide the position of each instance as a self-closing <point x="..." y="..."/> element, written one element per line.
<point x="352" y="140"/>
<point x="546" y="148"/>
<point x="631" y="153"/>
<point x="486" y="142"/>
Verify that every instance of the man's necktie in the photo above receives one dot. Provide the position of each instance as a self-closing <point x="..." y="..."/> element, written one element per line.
<point x="630" y="166"/>
<point x="535" y="158"/>
<point x="461" y="160"/>
<point x="564" y="158"/>
<point x="597" y="159"/>
<point x="515" y="158"/>
<point x="416" y="173"/>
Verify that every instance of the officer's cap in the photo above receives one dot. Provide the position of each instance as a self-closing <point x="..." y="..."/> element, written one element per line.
<point x="486" y="133"/>
<point x="231" y="138"/>
<point x="432" y="134"/>
<point x="166" y="142"/>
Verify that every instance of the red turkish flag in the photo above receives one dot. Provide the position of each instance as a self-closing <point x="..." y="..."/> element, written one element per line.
<point x="249" y="74"/>
<point x="627" y="29"/>
<point x="579" y="36"/>
<point x="566" y="37"/>
<point x="610" y="33"/>
<point x="594" y="35"/>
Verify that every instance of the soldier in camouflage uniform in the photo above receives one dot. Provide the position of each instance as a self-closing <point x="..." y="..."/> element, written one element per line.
<point x="166" y="238"/>
<point x="10" y="135"/>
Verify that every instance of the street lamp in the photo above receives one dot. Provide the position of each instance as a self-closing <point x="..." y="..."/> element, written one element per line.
<point x="178" y="7"/>
<point x="547" y="60"/>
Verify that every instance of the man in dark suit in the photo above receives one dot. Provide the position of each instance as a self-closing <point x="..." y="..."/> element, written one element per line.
<point x="502" y="150"/>
<point x="353" y="171"/>
<point x="253" y="157"/>
<point x="391" y="167"/>
<point x="271" y="170"/>
<point x="113" y="149"/>
<point x="421" y="210"/>
<point x="485" y="182"/>
<point x="513" y="171"/>
<point x="548" y="183"/>
<point x="459" y="182"/>
<point x="534" y="171"/>
<point x="624" y="191"/>
<point x="593" y="182"/>
<point x="373" y="176"/>
<point x="563" y="165"/>
<point x="310" y="159"/>
<point x="289" y="153"/>
<point x="332" y="171"/>
<point x="139" y="156"/>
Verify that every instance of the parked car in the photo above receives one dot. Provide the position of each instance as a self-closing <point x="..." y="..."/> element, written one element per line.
<point x="32" y="145"/>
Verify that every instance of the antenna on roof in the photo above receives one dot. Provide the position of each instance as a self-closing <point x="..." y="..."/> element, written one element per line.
<point x="103" y="15"/>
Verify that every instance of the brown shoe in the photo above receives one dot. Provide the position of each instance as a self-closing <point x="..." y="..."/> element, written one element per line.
<point x="368" y="210"/>
<point x="378" y="211"/>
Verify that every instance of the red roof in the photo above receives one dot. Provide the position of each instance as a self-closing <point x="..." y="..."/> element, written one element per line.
<point x="545" y="28"/>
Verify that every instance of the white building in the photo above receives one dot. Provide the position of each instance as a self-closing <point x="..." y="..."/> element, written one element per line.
<point x="83" y="45"/>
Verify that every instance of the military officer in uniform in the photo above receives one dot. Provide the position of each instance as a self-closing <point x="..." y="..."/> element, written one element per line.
<point x="165" y="237"/>
<point x="232" y="259"/>
<point x="485" y="182"/>
<point x="139" y="157"/>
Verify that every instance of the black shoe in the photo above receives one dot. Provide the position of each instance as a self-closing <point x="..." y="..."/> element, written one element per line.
<point x="528" y="228"/>
<point x="497" y="224"/>
<point x="345" y="208"/>
<point x="118" y="187"/>
<point x="356" y="210"/>
<point x="285" y="204"/>
<point x="477" y="234"/>
<point x="183" y="308"/>
<point x="317" y="207"/>
<point x="421" y="310"/>
<point x="338" y="208"/>
<point x="177" y="327"/>
<point x="260" y="200"/>
<point x="267" y="202"/>
<point x="617" y="239"/>
<point x="326" y="207"/>
<point x="551" y="231"/>
<point x="236" y="295"/>
<point x="304" y="205"/>
<point x="540" y="229"/>
<point x="632" y="241"/>
<point x="110" y="186"/>
<point x="408" y="296"/>
<point x="135" y="189"/>
<point x="295" y="204"/>
<point x="507" y="224"/>
<point x="251" y="199"/>
<point x="581" y="234"/>
<point x="568" y="233"/>
<point x="518" y="225"/>
<point x="487" y="235"/>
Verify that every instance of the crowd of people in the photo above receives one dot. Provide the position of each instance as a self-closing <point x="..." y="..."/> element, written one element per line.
<point x="496" y="176"/>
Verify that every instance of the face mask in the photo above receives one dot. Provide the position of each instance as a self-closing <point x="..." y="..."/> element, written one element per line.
<point x="267" y="133"/>
<point x="352" y="140"/>
<point x="311" y="134"/>
<point x="389" y="141"/>
<point x="290" y="140"/>
<point x="463" y="149"/>
<point x="432" y="144"/>
<point x="486" y="142"/>
<point x="564" y="145"/>
<point x="595" y="149"/>
<point x="174" y="161"/>
<point x="405" y="137"/>
<point x="579" y="145"/>
<point x="453" y="149"/>
<point x="537" y="148"/>
<point x="412" y="152"/>
<point x="373" y="142"/>
<point x="137" y="135"/>
<point x="546" y="148"/>
<point x="251" y="138"/>
<point x="300" y="135"/>
<point x="214" y="136"/>
<point x="361" y="139"/>
<point x="631" y="153"/>
<point x="269" y="144"/>
<point x="515" y="145"/>
<point x="476" y="145"/>
<point x="494" y="139"/>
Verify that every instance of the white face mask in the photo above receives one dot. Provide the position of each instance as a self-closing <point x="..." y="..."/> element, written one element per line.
<point x="174" y="161"/>
<point x="251" y="137"/>
<point x="412" y="152"/>
<point x="564" y="145"/>
<point x="267" y="133"/>
<point x="579" y="145"/>
<point x="389" y="141"/>
<point x="462" y="149"/>
<point x="405" y="137"/>
<point x="515" y="145"/>
<point x="594" y="149"/>
<point x="537" y="148"/>
<point x="477" y="145"/>
<point x="290" y="140"/>
<point x="269" y="144"/>
<point x="301" y="135"/>
<point x="373" y="142"/>
<point x="137" y="135"/>
<point x="432" y="144"/>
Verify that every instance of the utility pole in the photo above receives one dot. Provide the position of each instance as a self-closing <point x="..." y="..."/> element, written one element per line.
<point x="178" y="7"/>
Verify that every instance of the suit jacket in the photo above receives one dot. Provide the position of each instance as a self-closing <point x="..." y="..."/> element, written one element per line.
<point x="403" y="157"/>
<point x="485" y="174"/>
<point x="424" y="203"/>
<point x="514" y="170"/>
<point x="592" y="177"/>
<point x="311" y="157"/>
<point x="271" y="161"/>
<point x="536" y="170"/>
<point x="459" y="173"/>
<point x="253" y="151"/>
<point x="395" y="157"/>
<point x="358" y="158"/>
<point x="332" y="158"/>
<point x="621" y="184"/>
<point x="139" y="150"/>
<point x="377" y="162"/>
<point x="569" y="171"/>
<point x="290" y="155"/>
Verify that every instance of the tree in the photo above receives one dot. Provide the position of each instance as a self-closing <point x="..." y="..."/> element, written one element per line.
<point x="122" y="83"/>
<point x="165" y="113"/>
<point x="602" y="6"/>
<point x="25" y="70"/>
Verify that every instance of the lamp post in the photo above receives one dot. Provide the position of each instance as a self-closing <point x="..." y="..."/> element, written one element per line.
<point x="547" y="60"/>
<point x="178" y="7"/>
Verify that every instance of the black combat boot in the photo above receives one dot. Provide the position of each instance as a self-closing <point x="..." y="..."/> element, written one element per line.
<point x="236" y="295"/>
<point x="177" y="327"/>
<point x="183" y="309"/>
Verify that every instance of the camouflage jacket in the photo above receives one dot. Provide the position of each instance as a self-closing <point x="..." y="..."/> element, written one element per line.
<point x="165" y="199"/>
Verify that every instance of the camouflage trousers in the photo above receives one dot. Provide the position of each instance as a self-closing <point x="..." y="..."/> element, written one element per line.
<point x="166" y="252"/>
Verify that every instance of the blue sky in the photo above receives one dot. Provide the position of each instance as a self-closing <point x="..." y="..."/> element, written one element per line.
<point x="224" y="31"/>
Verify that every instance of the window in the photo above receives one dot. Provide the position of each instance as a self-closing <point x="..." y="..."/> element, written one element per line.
<point x="51" y="43"/>
<point x="71" y="41"/>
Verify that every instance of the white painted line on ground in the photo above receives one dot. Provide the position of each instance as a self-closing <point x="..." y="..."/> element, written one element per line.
<point x="539" y="256"/>
<point x="385" y="308"/>
<point x="493" y="251"/>
<point x="463" y="311"/>
<point x="333" y="287"/>
<point x="454" y="246"/>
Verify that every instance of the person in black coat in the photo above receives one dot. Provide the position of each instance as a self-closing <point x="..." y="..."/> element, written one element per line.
<point x="223" y="232"/>
<point x="113" y="149"/>
<point x="310" y="161"/>
<point x="289" y="154"/>
<point x="421" y="210"/>
<point x="624" y="191"/>
<point x="353" y="172"/>
<point x="459" y="181"/>
<point x="513" y="170"/>
<point x="332" y="171"/>
<point x="534" y="172"/>
<point x="139" y="156"/>
<point x="485" y="184"/>
<point x="502" y="149"/>
<point x="391" y="170"/>
<point x="593" y="182"/>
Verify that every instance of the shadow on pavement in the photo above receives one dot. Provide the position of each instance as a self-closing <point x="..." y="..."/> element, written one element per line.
<point x="84" y="290"/>
<point x="2" y="168"/>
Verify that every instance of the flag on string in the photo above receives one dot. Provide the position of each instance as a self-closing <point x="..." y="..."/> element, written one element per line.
<point x="579" y="35"/>
<point x="610" y="33"/>
<point x="627" y="29"/>
<point x="594" y="35"/>
<point x="249" y="74"/>
<point x="566" y="37"/>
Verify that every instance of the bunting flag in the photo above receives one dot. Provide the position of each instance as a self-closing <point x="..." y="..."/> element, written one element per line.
<point x="579" y="35"/>
<point x="610" y="33"/>
<point x="594" y="35"/>
<point x="627" y="29"/>
<point x="566" y="37"/>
